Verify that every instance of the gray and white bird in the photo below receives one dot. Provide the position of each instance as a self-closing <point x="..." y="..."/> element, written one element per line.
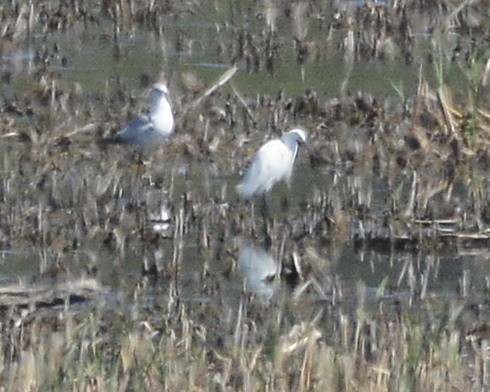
<point x="272" y="163"/>
<point x="152" y="128"/>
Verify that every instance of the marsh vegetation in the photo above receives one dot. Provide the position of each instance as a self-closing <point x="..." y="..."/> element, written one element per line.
<point x="127" y="269"/>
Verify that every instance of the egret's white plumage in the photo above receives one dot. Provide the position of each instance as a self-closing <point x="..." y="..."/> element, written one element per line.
<point x="272" y="163"/>
<point x="154" y="127"/>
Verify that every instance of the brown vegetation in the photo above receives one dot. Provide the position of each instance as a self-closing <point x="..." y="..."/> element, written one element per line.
<point x="405" y="176"/>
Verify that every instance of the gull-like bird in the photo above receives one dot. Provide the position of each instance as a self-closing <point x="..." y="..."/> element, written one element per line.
<point x="154" y="127"/>
<point x="272" y="163"/>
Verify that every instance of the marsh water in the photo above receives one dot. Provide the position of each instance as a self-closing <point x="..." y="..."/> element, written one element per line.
<point x="97" y="62"/>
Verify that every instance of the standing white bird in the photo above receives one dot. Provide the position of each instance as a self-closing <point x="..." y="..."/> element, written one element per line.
<point x="152" y="128"/>
<point x="272" y="163"/>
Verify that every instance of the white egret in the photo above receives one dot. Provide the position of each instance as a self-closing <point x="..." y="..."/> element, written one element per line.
<point x="272" y="163"/>
<point x="152" y="128"/>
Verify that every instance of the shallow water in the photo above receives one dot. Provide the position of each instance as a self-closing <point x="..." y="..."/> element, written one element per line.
<point x="96" y="62"/>
<point x="438" y="273"/>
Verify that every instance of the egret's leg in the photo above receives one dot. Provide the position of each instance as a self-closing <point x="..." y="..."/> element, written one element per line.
<point x="264" y="208"/>
<point x="266" y="232"/>
<point x="253" y="217"/>
<point x="285" y="202"/>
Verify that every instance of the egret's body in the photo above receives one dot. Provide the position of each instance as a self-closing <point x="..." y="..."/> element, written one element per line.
<point x="152" y="128"/>
<point x="272" y="163"/>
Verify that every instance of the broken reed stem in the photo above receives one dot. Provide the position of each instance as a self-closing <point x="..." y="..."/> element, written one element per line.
<point x="223" y="79"/>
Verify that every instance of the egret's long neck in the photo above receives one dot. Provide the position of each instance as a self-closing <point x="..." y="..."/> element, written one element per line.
<point x="292" y="145"/>
<point x="161" y="115"/>
<point x="295" y="150"/>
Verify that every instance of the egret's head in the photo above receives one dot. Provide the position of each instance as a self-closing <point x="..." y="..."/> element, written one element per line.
<point x="299" y="134"/>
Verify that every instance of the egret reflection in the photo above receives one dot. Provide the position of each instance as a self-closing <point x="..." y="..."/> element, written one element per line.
<point x="260" y="270"/>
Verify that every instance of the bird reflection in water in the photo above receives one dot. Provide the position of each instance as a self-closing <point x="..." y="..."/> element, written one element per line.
<point x="260" y="270"/>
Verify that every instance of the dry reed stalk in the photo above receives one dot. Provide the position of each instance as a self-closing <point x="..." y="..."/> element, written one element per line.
<point x="222" y="80"/>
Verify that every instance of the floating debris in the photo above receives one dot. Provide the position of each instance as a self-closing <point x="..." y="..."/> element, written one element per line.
<point x="49" y="295"/>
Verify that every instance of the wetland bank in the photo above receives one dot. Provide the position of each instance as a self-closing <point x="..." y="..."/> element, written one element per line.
<point x="142" y="270"/>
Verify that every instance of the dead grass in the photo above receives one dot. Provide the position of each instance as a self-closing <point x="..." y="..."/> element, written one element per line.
<point x="252" y="348"/>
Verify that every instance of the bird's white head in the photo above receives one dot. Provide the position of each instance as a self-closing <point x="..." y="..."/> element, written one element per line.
<point x="160" y="87"/>
<point x="298" y="134"/>
<point x="158" y="91"/>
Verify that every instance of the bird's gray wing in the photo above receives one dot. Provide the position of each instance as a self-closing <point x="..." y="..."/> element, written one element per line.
<point x="135" y="129"/>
